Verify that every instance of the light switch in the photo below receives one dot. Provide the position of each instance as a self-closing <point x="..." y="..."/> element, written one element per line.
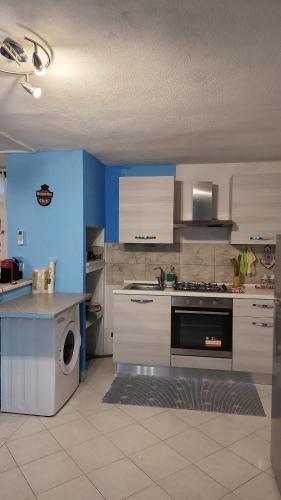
<point x="20" y="238"/>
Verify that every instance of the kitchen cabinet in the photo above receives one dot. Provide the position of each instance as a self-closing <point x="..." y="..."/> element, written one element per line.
<point x="252" y="335"/>
<point x="256" y="208"/>
<point x="142" y="329"/>
<point x="146" y="209"/>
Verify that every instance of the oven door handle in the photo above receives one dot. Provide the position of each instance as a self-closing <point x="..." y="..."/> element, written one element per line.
<point x="214" y="313"/>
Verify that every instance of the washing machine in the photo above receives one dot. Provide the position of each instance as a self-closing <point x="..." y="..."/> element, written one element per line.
<point x="40" y="362"/>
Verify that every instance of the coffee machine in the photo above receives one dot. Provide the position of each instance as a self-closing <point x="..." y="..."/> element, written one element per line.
<point x="11" y="270"/>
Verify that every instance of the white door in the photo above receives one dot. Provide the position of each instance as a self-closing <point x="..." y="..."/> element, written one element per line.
<point x="70" y="348"/>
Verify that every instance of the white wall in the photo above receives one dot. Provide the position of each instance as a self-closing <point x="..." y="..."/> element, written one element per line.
<point x="220" y="174"/>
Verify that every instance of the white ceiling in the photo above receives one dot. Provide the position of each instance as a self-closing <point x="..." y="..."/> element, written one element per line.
<point x="137" y="81"/>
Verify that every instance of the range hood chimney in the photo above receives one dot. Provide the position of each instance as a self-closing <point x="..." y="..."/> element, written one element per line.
<point x="202" y="207"/>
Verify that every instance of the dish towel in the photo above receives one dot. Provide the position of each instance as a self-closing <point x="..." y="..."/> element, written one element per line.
<point x="251" y="259"/>
<point x="243" y="261"/>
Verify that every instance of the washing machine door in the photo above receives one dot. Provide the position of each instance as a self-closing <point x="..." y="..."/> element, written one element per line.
<point x="70" y="348"/>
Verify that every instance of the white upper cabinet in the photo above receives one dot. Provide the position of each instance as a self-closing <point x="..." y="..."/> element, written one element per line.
<point x="256" y="208"/>
<point x="146" y="209"/>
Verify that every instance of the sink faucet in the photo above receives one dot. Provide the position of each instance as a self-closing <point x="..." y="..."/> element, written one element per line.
<point x="160" y="278"/>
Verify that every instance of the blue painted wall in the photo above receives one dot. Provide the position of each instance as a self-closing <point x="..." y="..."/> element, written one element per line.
<point x="53" y="231"/>
<point x="93" y="191"/>
<point x="112" y="175"/>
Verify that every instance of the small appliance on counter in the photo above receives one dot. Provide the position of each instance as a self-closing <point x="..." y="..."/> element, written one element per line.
<point x="11" y="270"/>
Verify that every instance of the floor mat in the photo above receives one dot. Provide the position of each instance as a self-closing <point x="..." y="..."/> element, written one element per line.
<point x="191" y="393"/>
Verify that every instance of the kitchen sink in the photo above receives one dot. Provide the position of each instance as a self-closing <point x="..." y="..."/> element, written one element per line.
<point x="144" y="286"/>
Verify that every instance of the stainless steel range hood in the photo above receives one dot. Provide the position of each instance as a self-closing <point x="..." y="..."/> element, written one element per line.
<point x="203" y="208"/>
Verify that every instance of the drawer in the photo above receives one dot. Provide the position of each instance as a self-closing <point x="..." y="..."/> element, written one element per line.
<point x="203" y="362"/>
<point x="255" y="308"/>
<point x="252" y="344"/>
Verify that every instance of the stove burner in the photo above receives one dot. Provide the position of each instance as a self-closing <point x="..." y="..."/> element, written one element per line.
<point x="195" y="286"/>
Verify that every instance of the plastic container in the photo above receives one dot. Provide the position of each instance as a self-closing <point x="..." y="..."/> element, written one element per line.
<point x="39" y="280"/>
<point x="51" y="275"/>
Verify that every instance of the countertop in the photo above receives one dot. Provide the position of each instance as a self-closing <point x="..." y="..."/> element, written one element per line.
<point x="7" y="287"/>
<point x="43" y="305"/>
<point x="250" y="292"/>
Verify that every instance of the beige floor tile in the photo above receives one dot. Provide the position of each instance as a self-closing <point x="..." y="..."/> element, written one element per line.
<point x="84" y="391"/>
<point x="13" y="486"/>
<point x="94" y="454"/>
<point x="226" y="429"/>
<point x="32" y="447"/>
<point x="132" y="438"/>
<point x="110" y="420"/>
<point x="270" y="471"/>
<point x="264" y="390"/>
<point x="6" y="460"/>
<point x="65" y="415"/>
<point x="227" y="468"/>
<point x="101" y="383"/>
<point x="193" y="445"/>
<point x="90" y="405"/>
<point x="77" y="489"/>
<point x="265" y="433"/>
<point x="50" y="471"/>
<point x="31" y="426"/>
<point x="192" y="484"/>
<point x="262" y="487"/>
<point x="194" y="417"/>
<point x="74" y="432"/>
<point x="159" y="461"/>
<point x="254" y="449"/>
<point x="150" y="493"/>
<point x="119" y="480"/>
<point x="230" y="496"/>
<point x="141" y="412"/>
<point x="10" y="423"/>
<point x="165" y="425"/>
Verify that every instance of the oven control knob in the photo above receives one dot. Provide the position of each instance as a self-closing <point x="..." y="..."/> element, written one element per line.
<point x="200" y="302"/>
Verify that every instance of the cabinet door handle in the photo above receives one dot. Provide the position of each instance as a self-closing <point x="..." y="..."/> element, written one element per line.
<point x="142" y="301"/>
<point x="262" y="306"/>
<point x="145" y="237"/>
<point x="265" y="325"/>
<point x="259" y="238"/>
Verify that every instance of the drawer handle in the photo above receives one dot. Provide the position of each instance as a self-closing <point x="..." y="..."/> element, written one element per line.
<point x="265" y="325"/>
<point x="261" y="238"/>
<point x="142" y="301"/>
<point x="262" y="306"/>
<point x="145" y="237"/>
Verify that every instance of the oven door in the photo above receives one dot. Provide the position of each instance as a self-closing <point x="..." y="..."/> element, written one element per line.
<point x="197" y="332"/>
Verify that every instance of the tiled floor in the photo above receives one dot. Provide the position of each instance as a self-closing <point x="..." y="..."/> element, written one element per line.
<point x="95" y="451"/>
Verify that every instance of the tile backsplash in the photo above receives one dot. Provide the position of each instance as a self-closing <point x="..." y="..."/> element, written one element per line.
<point x="192" y="261"/>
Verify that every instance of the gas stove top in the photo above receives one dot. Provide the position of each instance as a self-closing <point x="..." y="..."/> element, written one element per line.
<point x="195" y="286"/>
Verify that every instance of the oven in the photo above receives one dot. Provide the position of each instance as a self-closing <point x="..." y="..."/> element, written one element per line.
<point x="201" y="326"/>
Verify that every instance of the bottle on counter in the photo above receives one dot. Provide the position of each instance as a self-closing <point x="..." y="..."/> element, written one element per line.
<point x="51" y="275"/>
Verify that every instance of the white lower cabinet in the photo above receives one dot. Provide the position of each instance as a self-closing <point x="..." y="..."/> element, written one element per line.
<point x="252" y="344"/>
<point x="142" y="329"/>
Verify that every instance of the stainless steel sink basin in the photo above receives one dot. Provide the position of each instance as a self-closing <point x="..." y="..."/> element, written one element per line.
<point x="144" y="286"/>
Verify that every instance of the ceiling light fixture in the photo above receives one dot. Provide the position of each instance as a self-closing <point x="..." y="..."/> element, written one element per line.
<point x="35" y="91"/>
<point x="31" y="56"/>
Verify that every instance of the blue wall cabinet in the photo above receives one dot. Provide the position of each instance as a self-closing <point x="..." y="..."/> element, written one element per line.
<point x="146" y="209"/>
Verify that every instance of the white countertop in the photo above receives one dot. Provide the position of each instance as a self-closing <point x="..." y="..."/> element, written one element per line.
<point x="7" y="287"/>
<point x="41" y="305"/>
<point x="250" y="292"/>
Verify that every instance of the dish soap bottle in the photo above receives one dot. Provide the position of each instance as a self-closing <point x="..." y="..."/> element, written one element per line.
<point x="170" y="277"/>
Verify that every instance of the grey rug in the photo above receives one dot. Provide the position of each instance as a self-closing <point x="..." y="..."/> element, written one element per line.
<point x="193" y="393"/>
